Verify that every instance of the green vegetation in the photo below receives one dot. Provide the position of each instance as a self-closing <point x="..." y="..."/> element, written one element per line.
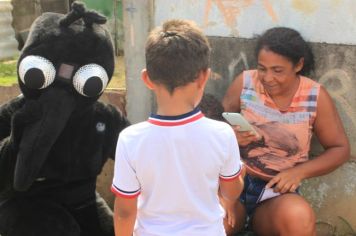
<point x="8" y="75"/>
<point x="118" y="79"/>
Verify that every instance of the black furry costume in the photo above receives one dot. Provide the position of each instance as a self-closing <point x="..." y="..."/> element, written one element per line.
<point x="56" y="137"/>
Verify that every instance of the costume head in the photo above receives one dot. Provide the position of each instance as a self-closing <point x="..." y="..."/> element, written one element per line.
<point x="63" y="50"/>
<point x="64" y="67"/>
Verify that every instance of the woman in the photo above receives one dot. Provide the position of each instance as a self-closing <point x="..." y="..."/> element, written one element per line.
<point x="285" y="108"/>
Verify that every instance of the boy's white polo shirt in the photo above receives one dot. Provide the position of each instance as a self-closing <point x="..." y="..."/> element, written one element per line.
<point x="173" y="164"/>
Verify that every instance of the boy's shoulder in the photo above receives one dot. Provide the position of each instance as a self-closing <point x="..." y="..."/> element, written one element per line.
<point x="220" y="126"/>
<point x="216" y="122"/>
<point x="138" y="127"/>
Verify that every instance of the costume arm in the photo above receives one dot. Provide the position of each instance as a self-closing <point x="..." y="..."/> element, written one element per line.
<point x="118" y="122"/>
<point x="7" y="111"/>
<point x="7" y="152"/>
<point x="7" y="164"/>
<point x="231" y="100"/>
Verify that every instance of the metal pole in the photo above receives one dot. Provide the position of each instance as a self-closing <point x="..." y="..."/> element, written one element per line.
<point x="137" y="16"/>
<point x="38" y="7"/>
<point x="115" y="30"/>
<point x="66" y="5"/>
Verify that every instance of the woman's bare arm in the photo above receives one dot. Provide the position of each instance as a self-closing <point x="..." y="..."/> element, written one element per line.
<point x="331" y="134"/>
<point x="231" y="103"/>
<point x="231" y="100"/>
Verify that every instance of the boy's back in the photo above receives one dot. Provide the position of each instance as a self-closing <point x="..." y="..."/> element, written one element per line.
<point x="167" y="169"/>
<point x="175" y="162"/>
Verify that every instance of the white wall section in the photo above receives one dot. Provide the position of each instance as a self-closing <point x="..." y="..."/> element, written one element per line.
<point x="329" y="21"/>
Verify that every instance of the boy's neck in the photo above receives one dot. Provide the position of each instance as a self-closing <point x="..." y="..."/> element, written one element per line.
<point x="182" y="101"/>
<point x="174" y="109"/>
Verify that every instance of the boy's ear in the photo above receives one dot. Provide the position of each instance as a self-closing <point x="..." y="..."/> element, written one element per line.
<point x="146" y="79"/>
<point x="203" y="78"/>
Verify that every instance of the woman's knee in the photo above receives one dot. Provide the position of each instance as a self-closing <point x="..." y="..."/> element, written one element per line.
<point x="289" y="214"/>
<point x="295" y="215"/>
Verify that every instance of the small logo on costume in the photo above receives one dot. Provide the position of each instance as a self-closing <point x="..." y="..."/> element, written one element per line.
<point x="41" y="179"/>
<point x="100" y="127"/>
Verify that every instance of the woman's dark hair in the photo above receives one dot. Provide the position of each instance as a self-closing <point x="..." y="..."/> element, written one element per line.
<point x="289" y="43"/>
<point x="211" y="107"/>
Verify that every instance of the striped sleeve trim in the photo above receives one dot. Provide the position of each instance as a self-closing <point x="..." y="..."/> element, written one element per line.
<point x="230" y="177"/>
<point x="125" y="194"/>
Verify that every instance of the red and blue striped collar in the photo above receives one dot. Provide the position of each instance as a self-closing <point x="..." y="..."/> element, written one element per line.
<point x="186" y="118"/>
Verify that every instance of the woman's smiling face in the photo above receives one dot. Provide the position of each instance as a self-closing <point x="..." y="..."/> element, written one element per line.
<point x="277" y="73"/>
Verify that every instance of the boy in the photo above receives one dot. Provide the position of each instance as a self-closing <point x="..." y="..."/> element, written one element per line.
<point x="169" y="169"/>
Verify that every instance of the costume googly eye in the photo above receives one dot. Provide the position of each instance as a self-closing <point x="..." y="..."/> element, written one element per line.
<point x="36" y="72"/>
<point x="90" y="80"/>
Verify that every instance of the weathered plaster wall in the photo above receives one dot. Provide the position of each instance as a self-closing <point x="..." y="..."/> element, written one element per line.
<point x="333" y="199"/>
<point x="8" y="44"/>
<point x="137" y="18"/>
<point x="318" y="20"/>
<point x="26" y="11"/>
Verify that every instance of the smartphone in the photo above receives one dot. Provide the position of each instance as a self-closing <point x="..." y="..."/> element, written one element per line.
<point x="267" y="193"/>
<point x="237" y="119"/>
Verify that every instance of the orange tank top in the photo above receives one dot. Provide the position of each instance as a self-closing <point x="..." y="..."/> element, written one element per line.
<point x="285" y="135"/>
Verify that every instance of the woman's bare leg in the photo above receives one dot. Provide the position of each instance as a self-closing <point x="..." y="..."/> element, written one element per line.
<point x="286" y="215"/>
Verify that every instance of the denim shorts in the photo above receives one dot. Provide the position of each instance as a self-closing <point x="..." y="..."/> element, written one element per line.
<point x="252" y="190"/>
<point x="251" y="193"/>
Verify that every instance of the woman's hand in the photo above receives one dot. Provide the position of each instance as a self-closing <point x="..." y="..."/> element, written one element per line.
<point x="245" y="137"/>
<point x="286" y="181"/>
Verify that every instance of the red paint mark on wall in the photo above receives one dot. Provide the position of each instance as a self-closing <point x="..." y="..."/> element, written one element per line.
<point x="231" y="9"/>
<point x="270" y="11"/>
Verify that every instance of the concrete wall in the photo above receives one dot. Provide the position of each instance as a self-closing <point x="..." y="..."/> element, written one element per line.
<point x="8" y="44"/>
<point x="137" y="18"/>
<point x="318" y="20"/>
<point x="330" y="26"/>
<point x="26" y="11"/>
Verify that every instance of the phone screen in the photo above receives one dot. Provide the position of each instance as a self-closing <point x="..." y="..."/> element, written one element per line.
<point x="238" y="119"/>
<point x="267" y="193"/>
